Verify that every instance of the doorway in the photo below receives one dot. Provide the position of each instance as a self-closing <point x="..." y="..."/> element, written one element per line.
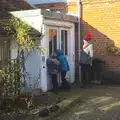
<point x="57" y="37"/>
<point x="60" y="38"/>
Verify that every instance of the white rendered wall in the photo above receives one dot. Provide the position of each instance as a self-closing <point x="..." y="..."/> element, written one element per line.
<point x="33" y="60"/>
<point x="36" y="62"/>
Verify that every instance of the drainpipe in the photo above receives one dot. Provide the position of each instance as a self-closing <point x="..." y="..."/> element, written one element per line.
<point x="79" y="34"/>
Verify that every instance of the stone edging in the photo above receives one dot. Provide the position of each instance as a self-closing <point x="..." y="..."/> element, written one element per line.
<point x="63" y="106"/>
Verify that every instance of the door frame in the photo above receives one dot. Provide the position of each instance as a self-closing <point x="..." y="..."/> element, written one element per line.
<point x="59" y="25"/>
<point x="59" y="44"/>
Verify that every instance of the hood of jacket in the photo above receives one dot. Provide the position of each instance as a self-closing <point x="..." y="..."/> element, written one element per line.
<point x="59" y="52"/>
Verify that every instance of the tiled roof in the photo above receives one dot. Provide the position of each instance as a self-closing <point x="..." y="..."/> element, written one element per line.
<point x="46" y="1"/>
<point x="11" y="5"/>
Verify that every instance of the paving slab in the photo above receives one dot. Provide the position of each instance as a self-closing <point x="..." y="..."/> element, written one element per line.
<point x="98" y="103"/>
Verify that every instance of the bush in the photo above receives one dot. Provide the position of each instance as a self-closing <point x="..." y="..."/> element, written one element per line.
<point x="10" y="78"/>
<point x="10" y="85"/>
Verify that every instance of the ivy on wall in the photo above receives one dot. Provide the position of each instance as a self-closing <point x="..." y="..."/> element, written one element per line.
<point x="22" y="33"/>
<point x="113" y="49"/>
<point x="12" y="72"/>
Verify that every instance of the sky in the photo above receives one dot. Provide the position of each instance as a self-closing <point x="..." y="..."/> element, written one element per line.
<point x="45" y="1"/>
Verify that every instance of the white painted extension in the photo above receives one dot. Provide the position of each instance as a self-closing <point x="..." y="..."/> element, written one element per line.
<point x="58" y="33"/>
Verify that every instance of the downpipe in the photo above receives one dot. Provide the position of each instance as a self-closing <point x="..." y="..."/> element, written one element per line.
<point x="79" y="6"/>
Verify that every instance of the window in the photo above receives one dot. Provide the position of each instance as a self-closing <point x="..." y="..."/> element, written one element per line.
<point x="52" y="41"/>
<point x="64" y="40"/>
<point x="4" y="49"/>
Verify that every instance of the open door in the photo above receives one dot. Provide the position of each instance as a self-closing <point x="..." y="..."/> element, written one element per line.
<point x="60" y="38"/>
<point x="52" y="45"/>
<point x="67" y="46"/>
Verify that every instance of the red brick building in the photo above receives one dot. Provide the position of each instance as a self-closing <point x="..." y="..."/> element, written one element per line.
<point x="102" y="20"/>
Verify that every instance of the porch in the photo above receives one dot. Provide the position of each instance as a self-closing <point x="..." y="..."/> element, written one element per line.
<point x="58" y="33"/>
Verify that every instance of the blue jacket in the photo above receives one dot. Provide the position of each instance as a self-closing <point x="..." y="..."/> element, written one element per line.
<point x="64" y="67"/>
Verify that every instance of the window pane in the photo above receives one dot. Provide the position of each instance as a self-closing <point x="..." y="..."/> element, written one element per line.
<point x="4" y="49"/>
<point x="66" y="42"/>
<point x="62" y="41"/>
<point x="52" y="41"/>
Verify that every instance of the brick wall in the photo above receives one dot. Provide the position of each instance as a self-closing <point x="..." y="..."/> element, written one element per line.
<point x="72" y="7"/>
<point x="102" y="20"/>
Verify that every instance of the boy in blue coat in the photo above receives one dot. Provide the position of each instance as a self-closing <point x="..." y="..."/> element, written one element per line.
<point x="63" y="69"/>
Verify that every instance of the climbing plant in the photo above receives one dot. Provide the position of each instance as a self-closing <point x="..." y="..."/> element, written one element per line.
<point x="113" y="49"/>
<point x="22" y="32"/>
<point x="11" y="74"/>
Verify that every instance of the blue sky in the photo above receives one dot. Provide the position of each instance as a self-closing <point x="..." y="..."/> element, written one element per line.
<point x="44" y="1"/>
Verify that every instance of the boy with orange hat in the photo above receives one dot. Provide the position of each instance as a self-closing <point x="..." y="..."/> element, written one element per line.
<point x="86" y="55"/>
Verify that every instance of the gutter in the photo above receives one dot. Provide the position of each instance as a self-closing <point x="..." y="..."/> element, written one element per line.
<point x="79" y="4"/>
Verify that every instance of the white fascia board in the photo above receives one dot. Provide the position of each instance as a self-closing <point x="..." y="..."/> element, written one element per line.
<point x="30" y="17"/>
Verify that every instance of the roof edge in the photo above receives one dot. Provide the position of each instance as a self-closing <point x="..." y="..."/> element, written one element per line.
<point x="49" y="3"/>
<point x="46" y="13"/>
<point x="58" y="15"/>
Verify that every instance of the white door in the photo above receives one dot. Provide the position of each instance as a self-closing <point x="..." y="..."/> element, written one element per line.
<point x="53" y="45"/>
<point x="43" y="68"/>
<point x="63" y="39"/>
<point x="67" y="46"/>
